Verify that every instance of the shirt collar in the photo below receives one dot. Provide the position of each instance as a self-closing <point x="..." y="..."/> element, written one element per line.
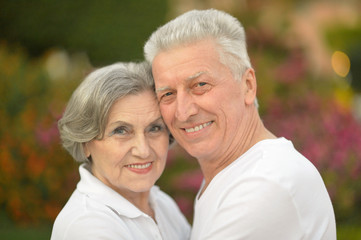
<point x="98" y="191"/>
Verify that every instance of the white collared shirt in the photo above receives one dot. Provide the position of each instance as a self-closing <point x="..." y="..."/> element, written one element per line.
<point x="270" y="192"/>
<point x="95" y="211"/>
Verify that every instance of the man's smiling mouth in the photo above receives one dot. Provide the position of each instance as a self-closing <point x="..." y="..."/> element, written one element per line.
<point x="197" y="128"/>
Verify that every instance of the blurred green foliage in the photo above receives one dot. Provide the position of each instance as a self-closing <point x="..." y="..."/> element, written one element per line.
<point x="108" y="31"/>
<point x="34" y="171"/>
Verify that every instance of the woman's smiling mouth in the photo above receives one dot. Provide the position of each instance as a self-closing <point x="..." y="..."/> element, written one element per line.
<point x="139" y="166"/>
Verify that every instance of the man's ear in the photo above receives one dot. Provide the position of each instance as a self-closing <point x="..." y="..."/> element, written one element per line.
<point x="250" y="82"/>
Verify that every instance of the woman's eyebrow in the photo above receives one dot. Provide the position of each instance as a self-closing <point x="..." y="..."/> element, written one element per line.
<point x="160" y="119"/>
<point x="120" y="123"/>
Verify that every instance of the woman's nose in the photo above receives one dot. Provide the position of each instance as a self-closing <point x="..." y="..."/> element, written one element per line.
<point x="141" y="147"/>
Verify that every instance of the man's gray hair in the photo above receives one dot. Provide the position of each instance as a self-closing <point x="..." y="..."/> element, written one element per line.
<point x="87" y="112"/>
<point x="197" y="25"/>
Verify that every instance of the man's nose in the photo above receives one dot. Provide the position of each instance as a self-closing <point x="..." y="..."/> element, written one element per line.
<point x="186" y="106"/>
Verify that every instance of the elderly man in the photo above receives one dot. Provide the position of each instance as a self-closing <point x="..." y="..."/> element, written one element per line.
<point x="256" y="186"/>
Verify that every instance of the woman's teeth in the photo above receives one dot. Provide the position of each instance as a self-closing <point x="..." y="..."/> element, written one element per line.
<point x="139" y="166"/>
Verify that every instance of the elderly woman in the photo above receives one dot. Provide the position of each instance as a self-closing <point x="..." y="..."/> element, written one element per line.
<point x="112" y="125"/>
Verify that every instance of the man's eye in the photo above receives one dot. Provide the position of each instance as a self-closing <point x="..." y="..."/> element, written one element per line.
<point x="167" y="94"/>
<point x="167" y="97"/>
<point x="200" y="88"/>
<point x="201" y="84"/>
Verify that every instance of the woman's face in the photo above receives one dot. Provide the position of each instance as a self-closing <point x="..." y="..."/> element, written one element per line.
<point x="132" y="155"/>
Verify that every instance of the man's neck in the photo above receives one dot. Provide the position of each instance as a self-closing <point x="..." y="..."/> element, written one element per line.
<point x="255" y="133"/>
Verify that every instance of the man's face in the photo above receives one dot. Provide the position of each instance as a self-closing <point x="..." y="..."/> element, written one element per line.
<point x="200" y="101"/>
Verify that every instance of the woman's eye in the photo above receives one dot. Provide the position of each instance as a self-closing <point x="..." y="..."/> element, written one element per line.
<point x="120" y="131"/>
<point x="156" y="128"/>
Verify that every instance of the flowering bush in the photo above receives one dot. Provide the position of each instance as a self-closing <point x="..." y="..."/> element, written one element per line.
<point x="328" y="136"/>
<point x="316" y="114"/>
<point x="36" y="174"/>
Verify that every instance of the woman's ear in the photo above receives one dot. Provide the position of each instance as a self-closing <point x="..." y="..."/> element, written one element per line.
<point x="86" y="150"/>
<point x="249" y="79"/>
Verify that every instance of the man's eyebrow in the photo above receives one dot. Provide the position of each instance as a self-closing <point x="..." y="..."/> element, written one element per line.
<point x="190" y="78"/>
<point x="162" y="89"/>
<point x="194" y="76"/>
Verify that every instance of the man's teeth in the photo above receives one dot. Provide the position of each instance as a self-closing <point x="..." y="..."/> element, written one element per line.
<point x="139" y="166"/>
<point x="197" y="128"/>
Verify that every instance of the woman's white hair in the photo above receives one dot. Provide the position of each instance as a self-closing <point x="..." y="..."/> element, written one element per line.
<point x="86" y="114"/>
<point x="197" y="25"/>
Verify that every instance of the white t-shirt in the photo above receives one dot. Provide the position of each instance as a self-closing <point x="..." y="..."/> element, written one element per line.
<point x="95" y="211"/>
<point x="270" y="192"/>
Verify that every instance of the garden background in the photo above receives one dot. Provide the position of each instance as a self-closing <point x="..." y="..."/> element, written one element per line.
<point x="307" y="57"/>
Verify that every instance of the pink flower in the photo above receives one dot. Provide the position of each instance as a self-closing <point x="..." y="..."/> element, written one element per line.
<point x="47" y="135"/>
<point x="190" y="180"/>
<point x="293" y="69"/>
<point x="185" y="205"/>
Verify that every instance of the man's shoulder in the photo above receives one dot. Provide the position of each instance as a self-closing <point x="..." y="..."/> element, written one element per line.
<point x="274" y="162"/>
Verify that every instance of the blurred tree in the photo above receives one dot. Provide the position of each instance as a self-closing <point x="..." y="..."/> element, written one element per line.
<point x="107" y="31"/>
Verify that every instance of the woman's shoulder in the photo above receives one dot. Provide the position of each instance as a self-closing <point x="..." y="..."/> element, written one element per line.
<point x="82" y="216"/>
